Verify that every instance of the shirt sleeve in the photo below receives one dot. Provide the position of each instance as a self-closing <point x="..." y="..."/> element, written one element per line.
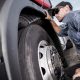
<point x="65" y="26"/>
<point x="64" y="30"/>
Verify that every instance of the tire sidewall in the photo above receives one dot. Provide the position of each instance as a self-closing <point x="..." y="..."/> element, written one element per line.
<point x="28" y="51"/>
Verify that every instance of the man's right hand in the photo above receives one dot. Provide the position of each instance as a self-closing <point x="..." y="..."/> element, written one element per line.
<point x="54" y="25"/>
<point x="48" y="17"/>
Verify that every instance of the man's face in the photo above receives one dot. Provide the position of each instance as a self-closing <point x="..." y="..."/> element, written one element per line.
<point x="63" y="12"/>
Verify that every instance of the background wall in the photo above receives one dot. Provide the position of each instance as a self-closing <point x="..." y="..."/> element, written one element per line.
<point x="75" y="3"/>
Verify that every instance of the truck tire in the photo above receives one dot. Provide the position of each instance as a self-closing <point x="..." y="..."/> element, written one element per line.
<point x="38" y="57"/>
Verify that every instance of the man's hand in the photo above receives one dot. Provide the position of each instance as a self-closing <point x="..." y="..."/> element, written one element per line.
<point x="48" y="17"/>
<point x="77" y="73"/>
<point x="54" y="25"/>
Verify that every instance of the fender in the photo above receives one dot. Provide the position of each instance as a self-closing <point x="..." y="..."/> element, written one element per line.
<point x="43" y="3"/>
<point x="9" y="16"/>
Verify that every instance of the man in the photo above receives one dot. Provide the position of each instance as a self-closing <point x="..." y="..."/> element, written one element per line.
<point x="71" y="26"/>
<point x="71" y="20"/>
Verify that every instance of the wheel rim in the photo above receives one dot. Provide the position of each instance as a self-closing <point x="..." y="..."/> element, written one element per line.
<point x="49" y="62"/>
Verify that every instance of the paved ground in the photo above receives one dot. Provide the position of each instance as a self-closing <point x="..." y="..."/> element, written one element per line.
<point x="71" y="56"/>
<point x="72" y="60"/>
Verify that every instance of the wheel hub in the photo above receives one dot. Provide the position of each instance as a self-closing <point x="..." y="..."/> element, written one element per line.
<point x="49" y="61"/>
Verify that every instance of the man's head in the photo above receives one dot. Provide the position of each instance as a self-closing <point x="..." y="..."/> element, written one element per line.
<point x="64" y="9"/>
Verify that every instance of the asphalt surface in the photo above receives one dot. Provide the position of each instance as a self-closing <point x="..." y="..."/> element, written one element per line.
<point x="71" y="56"/>
<point x="72" y="60"/>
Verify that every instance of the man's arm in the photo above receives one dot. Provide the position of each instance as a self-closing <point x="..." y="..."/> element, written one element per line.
<point x="55" y="26"/>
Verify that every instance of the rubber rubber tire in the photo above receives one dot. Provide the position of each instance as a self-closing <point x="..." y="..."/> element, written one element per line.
<point x="28" y="51"/>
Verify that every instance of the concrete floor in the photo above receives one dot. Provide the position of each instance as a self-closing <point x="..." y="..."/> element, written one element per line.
<point x="71" y="56"/>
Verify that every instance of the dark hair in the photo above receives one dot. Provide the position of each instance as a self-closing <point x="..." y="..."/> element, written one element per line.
<point x="63" y="4"/>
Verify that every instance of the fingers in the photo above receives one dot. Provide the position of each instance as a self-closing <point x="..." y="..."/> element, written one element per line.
<point x="77" y="70"/>
<point x="47" y="15"/>
<point x="77" y="73"/>
<point x="46" y="12"/>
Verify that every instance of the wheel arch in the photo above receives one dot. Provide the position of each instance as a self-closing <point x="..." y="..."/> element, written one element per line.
<point x="9" y="18"/>
<point x="32" y="11"/>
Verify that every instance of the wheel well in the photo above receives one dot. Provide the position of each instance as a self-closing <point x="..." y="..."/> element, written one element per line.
<point x="32" y="11"/>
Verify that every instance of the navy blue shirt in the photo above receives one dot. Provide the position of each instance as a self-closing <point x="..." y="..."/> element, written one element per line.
<point x="71" y="27"/>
